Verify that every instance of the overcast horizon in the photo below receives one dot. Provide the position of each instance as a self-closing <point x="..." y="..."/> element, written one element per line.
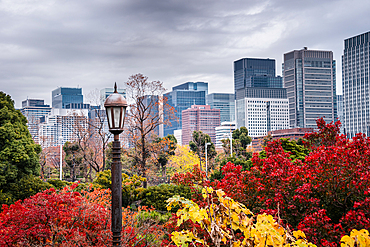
<point x="47" y="44"/>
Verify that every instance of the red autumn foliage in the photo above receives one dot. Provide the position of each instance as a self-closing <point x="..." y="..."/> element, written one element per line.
<point x="326" y="195"/>
<point x="66" y="218"/>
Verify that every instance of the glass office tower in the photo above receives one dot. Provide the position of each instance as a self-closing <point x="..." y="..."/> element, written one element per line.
<point x="225" y="102"/>
<point x="183" y="97"/>
<point x="310" y="80"/>
<point x="63" y="96"/>
<point x="355" y="81"/>
<point x="260" y="99"/>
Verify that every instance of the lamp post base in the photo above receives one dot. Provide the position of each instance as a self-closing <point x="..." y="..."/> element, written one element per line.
<point x="116" y="239"/>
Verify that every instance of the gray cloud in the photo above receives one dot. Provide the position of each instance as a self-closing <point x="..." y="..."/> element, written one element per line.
<point x="49" y="43"/>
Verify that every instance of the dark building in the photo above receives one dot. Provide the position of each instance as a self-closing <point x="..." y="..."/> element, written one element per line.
<point x="183" y="97"/>
<point x="225" y="102"/>
<point x="256" y="72"/>
<point x="260" y="99"/>
<point x="63" y="96"/>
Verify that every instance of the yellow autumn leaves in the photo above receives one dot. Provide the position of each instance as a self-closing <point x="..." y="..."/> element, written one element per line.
<point x="223" y="216"/>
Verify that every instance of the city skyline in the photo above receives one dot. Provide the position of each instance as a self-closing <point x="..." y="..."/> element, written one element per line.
<point x="50" y="44"/>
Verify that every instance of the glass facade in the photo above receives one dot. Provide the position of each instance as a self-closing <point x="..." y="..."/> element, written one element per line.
<point x="225" y="102"/>
<point x="255" y="72"/>
<point x="255" y="81"/>
<point x="355" y="78"/>
<point x="310" y="81"/>
<point x="183" y="97"/>
<point x="63" y="96"/>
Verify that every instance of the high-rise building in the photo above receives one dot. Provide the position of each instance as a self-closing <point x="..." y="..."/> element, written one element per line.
<point x="183" y="97"/>
<point x="356" y="78"/>
<point x="178" y="136"/>
<point x="260" y="99"/>
<point x="225" y="102"/>
<point x="340" y="111"/>
<point x="255" y="72"/>
<point x="63" y="96"/>
<point x="65" y="123"/>
<point x="33" y="102"/>
<point x="199" y="118"/>
<point x="224" y="131"/>
<point x="153" y="103"/>
<point x="105" y="92"/>
<point x="33" y="110"/>
<point x="309" y="77"/>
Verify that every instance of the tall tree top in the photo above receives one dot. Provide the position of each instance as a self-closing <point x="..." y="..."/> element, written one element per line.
<point x="18" y="152"/>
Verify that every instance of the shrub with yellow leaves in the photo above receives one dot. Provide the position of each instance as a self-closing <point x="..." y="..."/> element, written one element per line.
<point x="222" y="217"/>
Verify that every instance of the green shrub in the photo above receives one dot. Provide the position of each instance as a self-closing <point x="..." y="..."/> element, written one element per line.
<point x="155" y="216"/>
<point x="28" y="186"/>
<point x="58" y="184"/>
<point x="157" y="196"/>
<point x="6" y="198"/>
<point x="131" y="186"/>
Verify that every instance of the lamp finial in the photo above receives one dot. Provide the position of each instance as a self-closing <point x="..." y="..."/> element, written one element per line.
<point x="115" y="87"/>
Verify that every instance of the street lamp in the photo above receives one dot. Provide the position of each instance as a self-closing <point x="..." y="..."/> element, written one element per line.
<point x="115" y="106"/>
<point x="205" y="147"/>
<point x="61" y="158"/>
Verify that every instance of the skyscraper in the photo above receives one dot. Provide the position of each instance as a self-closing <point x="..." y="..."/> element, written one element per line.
<point x="256" y="72"/>
<point x="309" y="77"/>
<point x="225" y="102"/>
<point x="67" y="123"/>
<point x="183" y="97"/>
<point x="105" y="92"/>
<point x="356" y="78"/>
<point x="260" y="99"/>
<point x="340" y="111"/>
<point x="33" y="110"/>
<point x="63" y="96"/>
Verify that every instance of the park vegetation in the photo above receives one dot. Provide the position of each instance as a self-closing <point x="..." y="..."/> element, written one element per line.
<point x="311" y="192"/>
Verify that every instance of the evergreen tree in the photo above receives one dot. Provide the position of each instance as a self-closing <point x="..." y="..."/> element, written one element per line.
<point x="197" y="145"/>
<point x="18" y="152"/>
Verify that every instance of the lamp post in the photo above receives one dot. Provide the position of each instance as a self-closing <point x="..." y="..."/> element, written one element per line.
<point x="231" y="144"/>
<point x="115" y="106"/>
<point x="61" y="158"/>
<point x="205" y="147"/>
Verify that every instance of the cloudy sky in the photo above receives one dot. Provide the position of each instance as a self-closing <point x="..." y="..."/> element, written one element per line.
<point x="45" y="44"/>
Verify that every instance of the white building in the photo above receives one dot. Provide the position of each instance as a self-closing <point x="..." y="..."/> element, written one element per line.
<point x="33" y="110"/>
<point x="178" y="136"/>
<point x="67" y="123"/>
<point x="224" y="132"/>
<point x="265" y="114"/>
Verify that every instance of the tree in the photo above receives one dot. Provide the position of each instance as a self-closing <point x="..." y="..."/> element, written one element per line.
<point x="89" y="142"/>
<point x="295" y="150"/>
<point x="49" y="162"/>
<point x="97" y="124"/>
<point x="73" y="157"/>
<point x="197" y="145"/>
<point x="183" y="161"/>
<point x="166" y="147"/>
<point x="240" y="141"/>
<point x="18" y="152"/>
<point x="147" y="110"/>
<point x="327" y="134"/>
